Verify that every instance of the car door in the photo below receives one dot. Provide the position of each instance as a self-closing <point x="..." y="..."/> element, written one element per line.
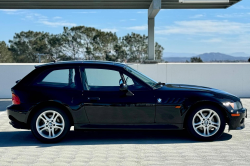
<point x="106" y="104"/>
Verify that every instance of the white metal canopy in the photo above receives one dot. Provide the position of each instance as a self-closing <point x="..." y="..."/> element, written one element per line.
<point x="153" y="7"/>
<point x="113" y="4"/>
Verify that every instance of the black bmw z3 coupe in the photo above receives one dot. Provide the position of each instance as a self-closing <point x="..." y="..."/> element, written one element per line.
<point x="107" y="95"/>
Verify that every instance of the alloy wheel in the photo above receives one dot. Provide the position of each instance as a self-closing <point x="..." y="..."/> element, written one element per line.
<point x="206" y="122"/>
<point x="50" y="124"/>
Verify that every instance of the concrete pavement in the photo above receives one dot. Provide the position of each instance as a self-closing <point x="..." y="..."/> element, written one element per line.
<point x="19" y="147"/>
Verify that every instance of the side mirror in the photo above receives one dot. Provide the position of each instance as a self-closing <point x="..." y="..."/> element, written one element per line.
<point x="123" y="87"/>
<point x="120" y="82"/>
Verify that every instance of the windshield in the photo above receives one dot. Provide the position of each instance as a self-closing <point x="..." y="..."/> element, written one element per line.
<point x="141" y="76"/>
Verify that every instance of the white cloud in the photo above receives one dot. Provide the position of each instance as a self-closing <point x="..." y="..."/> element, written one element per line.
<point x="56" y="24"/>
<point x="205" y="27"/>
<point x="132" y="19"/>
<point x="57" y="17"/>
<point x="241" y="7"/>
<point x="141" y="12"/>
<point x="41" y="19"/>
<point x="12" y="11"/>
<point x="86" y="12"/>
<point x="9" y="10"/>
<point x="143" y="27"/>
<point x="233" y="15"/>
<point x="213" y="40"/>
<point x="197" y="16"/>
<point x="110" y="30"/>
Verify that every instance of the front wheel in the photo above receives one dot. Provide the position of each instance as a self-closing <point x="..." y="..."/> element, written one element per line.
<point x="206" y="123"/>
<point x="50" y="125"/>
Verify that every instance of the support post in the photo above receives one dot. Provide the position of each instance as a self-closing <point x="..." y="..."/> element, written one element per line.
<point x="153" y="10"/>
<point x="151" y="38"/>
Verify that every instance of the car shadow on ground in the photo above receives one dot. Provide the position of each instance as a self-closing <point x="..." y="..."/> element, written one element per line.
<point x="97" y="137"/>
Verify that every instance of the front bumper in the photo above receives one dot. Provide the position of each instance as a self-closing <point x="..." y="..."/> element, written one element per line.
<point x="238" y="122"/>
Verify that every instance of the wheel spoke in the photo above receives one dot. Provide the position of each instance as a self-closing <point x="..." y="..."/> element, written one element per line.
<point x="199" y="123"/>
<point x="208" y="133"/>
<point x="200" y="117"/>
<point x="43" y="119"/>
<point x="52" y="117"/>
<point x="43" y="129"/>
<point x="57" y="127"/>
<point x="204" y="128"/>
<point x="41" y="126"/>
<point x="44" y="115"/>
<point x="213" y="126"/>
<point x="55" y="118"/>
<point x="49" y="132"/>
<point x="52" y="130"/>
<point x="203" y="116"/>
<point x="210" y="113"/>
<point x="199" y="126"/>
<point x="58" y="124"/>
<point x="213" y="123"/>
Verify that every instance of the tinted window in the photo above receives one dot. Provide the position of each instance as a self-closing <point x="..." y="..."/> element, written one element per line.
<point x="141" y="76"/>
<point x="132" y="84"/>
<point x="59" y="78"/>
<point x="101" y="79"/>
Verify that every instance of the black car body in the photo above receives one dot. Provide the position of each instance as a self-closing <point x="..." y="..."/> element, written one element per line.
<point x="136" y="105"/>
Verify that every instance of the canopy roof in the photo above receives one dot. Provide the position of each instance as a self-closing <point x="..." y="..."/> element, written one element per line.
<point x="106" y="4"/>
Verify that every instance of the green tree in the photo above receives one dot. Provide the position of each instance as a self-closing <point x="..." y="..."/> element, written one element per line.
<point x="196" y="60"/>
<point x="135" y="46"/>
<point x="26" y="45"/>
<point x="249" y="60"/>
<point x="72" y="42"/>
<point x="158" y="51"/>
<point x="5" y="54"/>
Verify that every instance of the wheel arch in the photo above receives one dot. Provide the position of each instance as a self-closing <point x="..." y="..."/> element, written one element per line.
<point x="203" y="103"/>
<point x="45" y="104"/>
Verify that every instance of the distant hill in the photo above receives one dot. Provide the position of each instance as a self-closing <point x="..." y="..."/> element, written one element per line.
<point x="175" y="54"/>
<point x="209" y="57"/>
<point x="240" y="54"/>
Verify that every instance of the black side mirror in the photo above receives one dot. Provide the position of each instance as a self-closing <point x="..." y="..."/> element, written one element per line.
<point x="123" y="87"/>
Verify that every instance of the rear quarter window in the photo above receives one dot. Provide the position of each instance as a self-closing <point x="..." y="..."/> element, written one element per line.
<point x="57" y="78"/>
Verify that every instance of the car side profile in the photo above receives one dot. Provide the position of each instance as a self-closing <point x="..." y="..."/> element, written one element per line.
<point x="108" y="95"/>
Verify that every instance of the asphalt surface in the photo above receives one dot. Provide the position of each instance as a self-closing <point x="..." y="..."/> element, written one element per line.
<point x="19" y="147"/>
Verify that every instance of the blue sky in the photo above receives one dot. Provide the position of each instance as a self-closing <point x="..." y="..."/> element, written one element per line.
<point x="178" y="31"/>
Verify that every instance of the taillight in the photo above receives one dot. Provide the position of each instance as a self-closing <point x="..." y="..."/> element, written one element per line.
<point x="15" y="99"/>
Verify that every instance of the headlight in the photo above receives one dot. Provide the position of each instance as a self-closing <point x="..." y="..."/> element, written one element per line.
<point x="235" y="106"/>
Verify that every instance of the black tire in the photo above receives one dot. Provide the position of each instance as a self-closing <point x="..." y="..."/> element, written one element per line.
<point x="60" y="136"/>
<point x="195" y="134"/>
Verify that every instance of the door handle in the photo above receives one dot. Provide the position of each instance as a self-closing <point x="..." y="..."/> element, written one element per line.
<point x="94" y="98"/>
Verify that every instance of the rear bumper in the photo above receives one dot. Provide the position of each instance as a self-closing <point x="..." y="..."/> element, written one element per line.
<point x="18" y="116"/>
<point x="238" y="122"/>
<point x="18" y="125"/>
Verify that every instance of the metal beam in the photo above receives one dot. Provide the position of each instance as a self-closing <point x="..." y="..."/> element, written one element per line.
<point x="109" y="4"/>
<point x="153" y="10"/>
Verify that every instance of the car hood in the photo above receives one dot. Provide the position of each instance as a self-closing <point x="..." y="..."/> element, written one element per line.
<point x="197" y="88"/>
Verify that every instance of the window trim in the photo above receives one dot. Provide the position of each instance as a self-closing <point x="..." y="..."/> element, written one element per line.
<point x="47" y="71"/>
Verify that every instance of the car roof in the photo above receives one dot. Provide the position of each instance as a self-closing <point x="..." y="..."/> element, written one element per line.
<point x="77" y="62"/>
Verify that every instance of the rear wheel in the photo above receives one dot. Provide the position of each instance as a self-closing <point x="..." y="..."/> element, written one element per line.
<point x="206" y="123"/>
<point x="50" y="125"/>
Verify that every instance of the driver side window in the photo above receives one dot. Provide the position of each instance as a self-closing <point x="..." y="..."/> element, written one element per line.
<point x="101" y="79"/>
